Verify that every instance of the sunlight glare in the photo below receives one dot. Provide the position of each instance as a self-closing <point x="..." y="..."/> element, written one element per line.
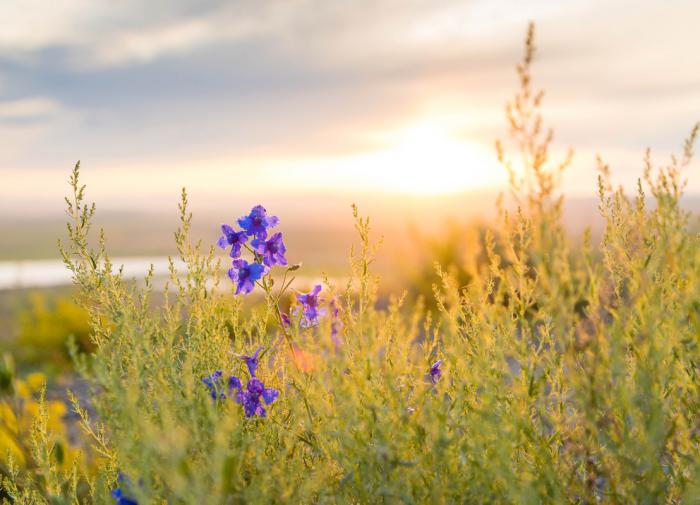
<point x="426" y="159"/>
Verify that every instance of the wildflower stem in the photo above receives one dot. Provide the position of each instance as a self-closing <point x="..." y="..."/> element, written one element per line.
<point x="278" y="315"/>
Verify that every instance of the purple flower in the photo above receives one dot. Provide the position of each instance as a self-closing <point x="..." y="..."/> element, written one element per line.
<point x="435" y="372"/>
<point x="245" y="274"/>
<point x="232" y="238"/>
<point x="309" y="303"/>
<point x="336" y="323"/>
<point x="272" y="251"/>
<point x="285" y="320"/>
<point x="255" y="386"/>
<point x="257" y="222"/>
<point x="251" y="361"/>
<point x="269" y="395"/>
<point x="215" y="385"/>
<point x="251" y="397"/>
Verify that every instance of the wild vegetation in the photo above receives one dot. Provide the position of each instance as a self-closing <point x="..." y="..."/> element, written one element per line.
<point x="540" y="372"/>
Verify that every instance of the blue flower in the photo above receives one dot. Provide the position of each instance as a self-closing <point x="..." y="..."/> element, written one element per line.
<point x="232" y="238"/>
<point x="257" y="222"/>
<point x="435" y="372"/>
<point x="253" y="396"/>
<point x="234" y="383"/>
<point x="251" y="361"/>
<point x="272" y="251"/>
<point x="120" y="499"/>
<point x="309" y="303"/>
<point x="119" y="494"/>
<point x="245" y="274"/>
<point x="214" y="383"/>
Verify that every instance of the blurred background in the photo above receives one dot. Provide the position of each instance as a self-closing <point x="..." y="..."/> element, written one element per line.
<point x="306" y="107"/>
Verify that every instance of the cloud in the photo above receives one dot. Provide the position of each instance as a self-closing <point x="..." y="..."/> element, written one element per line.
<point x="171" y="83"/>
<point x="24" y="122"/>
<point x="29" y="109"/>
<point x="103" y="33"/>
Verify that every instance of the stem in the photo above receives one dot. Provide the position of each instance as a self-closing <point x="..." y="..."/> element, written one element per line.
<point x="278" y="312"/>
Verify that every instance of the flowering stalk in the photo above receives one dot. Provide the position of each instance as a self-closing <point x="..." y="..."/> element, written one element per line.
<point x="266" y="254"/>
<point x="274" y="301"/>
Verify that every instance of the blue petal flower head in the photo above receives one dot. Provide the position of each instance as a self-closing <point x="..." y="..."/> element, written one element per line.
<point x="251" y="396"/>
<point x="234" y="383"/>
<point x="435" y="372"/>
<point x="251" y="361"/>
<point x="255" y="386"/>
<point x="257" y="222"/>
<point x="232" y="238"/>
<point x="272" y="251"/>
<point x="119" y="495"/>
<point x="270" y="395"/>
<point x="120" y="499"/>
<point x="245" y="274"/>
<point x="215" y="385"/>
<point x="309" y="304"/>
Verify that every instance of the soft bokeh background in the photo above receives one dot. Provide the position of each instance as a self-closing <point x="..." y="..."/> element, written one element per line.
<point x="306" y="107"/>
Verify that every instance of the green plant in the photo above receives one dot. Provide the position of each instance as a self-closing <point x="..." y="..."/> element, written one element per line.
<point x="556" y="375"/>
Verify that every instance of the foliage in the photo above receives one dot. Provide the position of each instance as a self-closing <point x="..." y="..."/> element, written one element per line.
<point x="566" y="375"/>
<point x="46" y="326"/>
<point x="35" y="448"/>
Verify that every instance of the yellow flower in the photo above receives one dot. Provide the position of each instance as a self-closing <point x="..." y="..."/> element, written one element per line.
<point x="22" y="389"/>
<point x="7" y="417"/>
<point x="35" y="381"/>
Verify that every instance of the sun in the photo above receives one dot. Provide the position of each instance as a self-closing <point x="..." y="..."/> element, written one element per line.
<point x="427" y="159"/>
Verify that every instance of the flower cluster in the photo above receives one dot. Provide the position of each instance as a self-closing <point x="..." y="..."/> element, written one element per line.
<point x="310" y="307"/>
<point x="215" y="384"/>
<point x="267" y="252"/>
<point x="253" y="397"/>
<point x="255" y="390"/>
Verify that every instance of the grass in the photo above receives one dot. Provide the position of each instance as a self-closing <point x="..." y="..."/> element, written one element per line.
<point x="569" y="372"/>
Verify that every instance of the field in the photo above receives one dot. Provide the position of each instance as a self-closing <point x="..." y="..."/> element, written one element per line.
<point x="509" y="361"/>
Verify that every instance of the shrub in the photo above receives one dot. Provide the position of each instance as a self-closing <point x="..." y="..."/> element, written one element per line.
<point x="557" y="374"/>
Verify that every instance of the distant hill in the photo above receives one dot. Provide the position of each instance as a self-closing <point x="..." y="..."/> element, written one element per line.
<point x="316" y="226"/>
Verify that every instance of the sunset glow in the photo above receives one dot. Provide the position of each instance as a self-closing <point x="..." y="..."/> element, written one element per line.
<point x="423" y="158"/>
<point x="426" y="159"/>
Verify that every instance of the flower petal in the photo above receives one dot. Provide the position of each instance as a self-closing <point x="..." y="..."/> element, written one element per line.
<point x="260" y="411"/>
<point x="239" y="263"/>
<point x="255" y="386"/>
<point x="270" y="395"/>
<point x="242" y="397"/>
<point x="234" y="383"/>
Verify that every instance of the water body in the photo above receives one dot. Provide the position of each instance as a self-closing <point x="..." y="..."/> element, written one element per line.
<point x="51" y="273"/>
<point x="24" y="274"/>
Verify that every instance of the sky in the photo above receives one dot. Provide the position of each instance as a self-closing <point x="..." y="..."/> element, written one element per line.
<point x="334" y="98"/>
